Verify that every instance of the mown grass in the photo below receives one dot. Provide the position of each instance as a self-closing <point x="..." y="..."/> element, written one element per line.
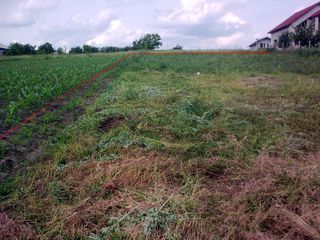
<point x="167" y="153"/>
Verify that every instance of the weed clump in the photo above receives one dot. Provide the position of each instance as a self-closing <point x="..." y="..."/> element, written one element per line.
<point x="152" y="221"/>
<point x="194" y="116"/>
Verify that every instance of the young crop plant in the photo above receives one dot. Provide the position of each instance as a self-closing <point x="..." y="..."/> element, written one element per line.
<point x="28" y="84"/>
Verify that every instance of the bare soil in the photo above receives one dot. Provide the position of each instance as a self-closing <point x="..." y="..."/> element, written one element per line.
<point x="111" y="122"/>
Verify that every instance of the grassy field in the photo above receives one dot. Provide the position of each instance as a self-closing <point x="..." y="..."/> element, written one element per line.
<point x="177" y="147"/>
<point x="27" y="83"/>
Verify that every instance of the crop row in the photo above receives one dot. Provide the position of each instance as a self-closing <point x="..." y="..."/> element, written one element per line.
<point x="27" y="83"/>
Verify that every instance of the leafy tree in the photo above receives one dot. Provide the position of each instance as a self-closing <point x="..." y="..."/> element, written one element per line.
<point x="29" y="49"/>
<point x="177" y="47"/>
<point x="304" y="34"/>
<point x="285" y="40"/>
<point x="76" y="50"/>
<point x="46" y="48"/>
<point x="110" y="49"/>
<point x="116" y="49"/>
<point x="316" y="39"/>
<point x="149" y="41"/>
<point x="60" y="50"/>
<point x="20" y="49"/>
<point x="89" y="49"/>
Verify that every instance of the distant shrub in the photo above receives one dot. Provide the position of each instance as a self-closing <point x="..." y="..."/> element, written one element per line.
<point x="89" y="49"/>
<point x="60" y="50"/>
<point x="76" y="50"/>
<point x="20" y="49"/>
<point x="113" y="49"/>
<point x="46" y="48"/>
<point x="285" y="40"/>
<point x="177" y="47"/>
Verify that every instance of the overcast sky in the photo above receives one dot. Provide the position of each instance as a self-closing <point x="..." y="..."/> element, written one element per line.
<point x="194" y="24"/>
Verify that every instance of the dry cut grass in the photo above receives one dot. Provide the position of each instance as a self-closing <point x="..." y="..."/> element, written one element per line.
<point x="266" y="198"/>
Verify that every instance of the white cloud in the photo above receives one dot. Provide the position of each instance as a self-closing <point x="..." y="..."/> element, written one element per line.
<point x="25" y="13"/>
<point x="192" y="12"/>
<point x="116" y="34"/>
<point x="204" y="23"/>
<point x="77" y="29"/>
<point x="231" y="20"/>
<point x="231" y="40"/>
<point x="17" y="19"/>
<point x="36" y="5"/>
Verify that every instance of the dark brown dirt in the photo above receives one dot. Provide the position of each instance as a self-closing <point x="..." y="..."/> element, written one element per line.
<point x="111" y="122"/>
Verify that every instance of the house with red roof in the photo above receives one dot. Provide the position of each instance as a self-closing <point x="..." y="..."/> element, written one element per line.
<point x="262" y="43"/>
<point x="307" y="16"/>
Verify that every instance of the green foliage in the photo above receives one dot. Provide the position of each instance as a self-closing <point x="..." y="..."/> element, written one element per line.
<point x="191" y="117"/>
<point x="204" y="130"/>
<point x="130" y="94"/>
<point x="113" y="231"/>
<point x="305" y="35"/>
<point x="7" y="186"/>
<point x="177" y="47"/>
<point x="20" y="49"/>
<point x="285" y="40"/>
<point x="89" y="49"/>
<point x="149" y="41"/>
<point x="153" y="220"/>
<point x="60" y="50"/>
<point x="307" y="52"/>
<point x="156" y="220"/>
<point x="46" y="48"/>
<point x="27" y="84"/>
<point x="61" y="192"/>
<point x="111" y="49"/>
<point x="76" y="50"/>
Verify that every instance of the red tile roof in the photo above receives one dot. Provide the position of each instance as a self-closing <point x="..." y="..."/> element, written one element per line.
<point x="317" y="14"/>
<point x="294" y="18"/>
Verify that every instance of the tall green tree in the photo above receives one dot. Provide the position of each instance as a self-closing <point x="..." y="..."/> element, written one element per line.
<point x="177" y="47"/>
<point x="304" y="35"/>
<point x="285" y="40"/>
<point x="149" y="41"/>
<point x="29" y="49"/>
<point x="316" y="39"/>
<point x="60" y="50"/>
<point x="20" y="49"/>
<point x="89" y="49"/>
<point x="46" y="48"/>
<point x="76" y="50"/>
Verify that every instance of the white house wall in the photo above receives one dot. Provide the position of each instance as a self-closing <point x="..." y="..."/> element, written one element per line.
<point x="276" y="35"/>
<point x="266" y="42"/>
<point x="257" y="46"/>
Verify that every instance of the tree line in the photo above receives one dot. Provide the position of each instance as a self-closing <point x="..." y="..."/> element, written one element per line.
<point x="303" y="35"/>
<point x="149" y="41"/>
